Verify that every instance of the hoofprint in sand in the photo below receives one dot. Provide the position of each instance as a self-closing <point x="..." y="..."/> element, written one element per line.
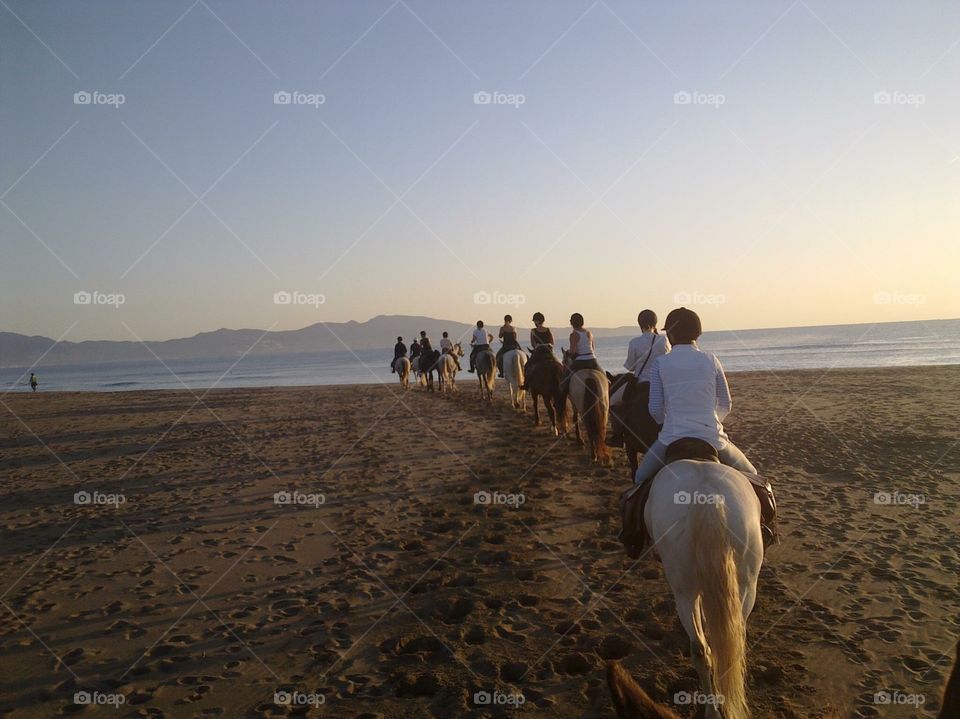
<point x="186" y="582"/>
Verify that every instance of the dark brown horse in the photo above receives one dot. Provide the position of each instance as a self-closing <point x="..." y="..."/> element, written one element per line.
<point x="544" y="372"/>
<point x="640" y="430"/>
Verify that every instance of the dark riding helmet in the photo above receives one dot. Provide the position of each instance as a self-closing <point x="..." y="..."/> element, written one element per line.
<point x="423" y="333"/>
<point x="683" y="326"/>
<point x="647" y="318"/>
<point x="507" y="318"/>
<point x="399" y="339"/>
<point x="576" y="319"/>
<point x="538" y="317"/>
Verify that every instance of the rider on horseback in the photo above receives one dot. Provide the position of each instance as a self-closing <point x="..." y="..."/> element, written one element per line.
<point x="399" y="350"/>
<point x="690" y="397"/>
<point x="446" y="348"/>
<point x="641" y="353"/>
<point x="541" y="346"/>
<point x="508" y="341"/>
<point x="480" y="340"/>
<point x="581" y="351"/>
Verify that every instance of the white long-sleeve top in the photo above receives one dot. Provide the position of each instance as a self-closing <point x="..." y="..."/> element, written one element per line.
<point x="637" y="352"/>
<point x="689" y="395"/>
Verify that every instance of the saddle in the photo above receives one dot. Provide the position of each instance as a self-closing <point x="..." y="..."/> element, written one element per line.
<point x="634" y="533"/>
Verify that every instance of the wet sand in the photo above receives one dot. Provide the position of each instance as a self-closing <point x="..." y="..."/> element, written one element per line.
<point x="182" y="588"/>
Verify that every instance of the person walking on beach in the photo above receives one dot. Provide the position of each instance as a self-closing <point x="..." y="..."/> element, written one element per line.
<point x="399" y="350"/>
<point x="33" y="382"/>
<point x="446" y="348"/>
<point x="508" y="341"/>
<point x="690" y="397"/>
<point x="480" y="340"/>
<point x="641" y="354"/>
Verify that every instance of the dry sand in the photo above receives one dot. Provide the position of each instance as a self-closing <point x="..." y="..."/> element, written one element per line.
<point x="401" y="597"/>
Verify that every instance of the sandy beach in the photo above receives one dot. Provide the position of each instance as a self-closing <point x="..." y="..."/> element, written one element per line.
<point x="374" y="585"/>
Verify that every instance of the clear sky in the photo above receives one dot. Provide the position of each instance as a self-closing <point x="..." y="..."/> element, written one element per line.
<point x="734" y="157"/>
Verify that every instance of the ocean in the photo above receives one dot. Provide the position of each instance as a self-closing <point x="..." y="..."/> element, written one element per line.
<point x="893" y="344"/>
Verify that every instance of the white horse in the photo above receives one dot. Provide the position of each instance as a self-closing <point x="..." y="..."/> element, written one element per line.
<point x="705" y="521"/>
<point x="447" y="369"/>
<point x="514" y="362"/>
<point x="415" y="368"/>
<point x="402" y="367"/>
<point x="589" y="395"/>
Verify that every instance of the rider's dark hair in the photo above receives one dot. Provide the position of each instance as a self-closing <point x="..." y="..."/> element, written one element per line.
<point x="399" y="339"/>
<point x="576" y="319"/>
<point x="538" y="317"/>
<point x="423" y="333"/>
<point x="479" y="323"/>
<point x="648" y="318"/>
<point x="507" y="318"/>
<point x="683" y="326"/>
<point x="444" y="334"/>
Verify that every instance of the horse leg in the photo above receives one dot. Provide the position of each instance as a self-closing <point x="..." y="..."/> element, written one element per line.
<point x="536" y="409"/>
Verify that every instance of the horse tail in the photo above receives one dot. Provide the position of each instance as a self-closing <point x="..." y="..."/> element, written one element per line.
<point x="719" y="588"/>
<point x="595" y="420"/>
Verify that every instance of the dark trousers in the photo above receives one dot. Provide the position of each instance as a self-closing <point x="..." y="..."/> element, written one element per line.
<point x="473" y="355"/>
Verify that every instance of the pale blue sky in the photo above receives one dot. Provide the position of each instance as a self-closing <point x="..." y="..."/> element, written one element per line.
<point x="798" y="200"/>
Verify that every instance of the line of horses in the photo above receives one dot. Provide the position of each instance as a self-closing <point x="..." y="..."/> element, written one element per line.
<point x="711" y="551"/>
<point x="587" y="390"/>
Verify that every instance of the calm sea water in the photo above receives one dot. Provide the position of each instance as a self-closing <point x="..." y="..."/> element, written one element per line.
<point x="884" y="345"/>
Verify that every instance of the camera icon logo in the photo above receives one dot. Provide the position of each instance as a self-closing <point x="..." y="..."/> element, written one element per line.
<point x="482" y="298"/>
<point x="681" y="498"/>
<point x="282" y="298"/>
<point x="82" y="497"/>
<point x="482" y="98"/>
<point x="482" y="497"/>
<point x="283" y="699"/>
<point x="282" y="97"/>
<point x="482" y="698"/>
<point x="682" y="98"/>
<point x="81" y="697"/>
<point x="283" y="498"/>
<point x="882" y="98"/>
<point x="82" y="98"/>
<point x="82" y="298"/>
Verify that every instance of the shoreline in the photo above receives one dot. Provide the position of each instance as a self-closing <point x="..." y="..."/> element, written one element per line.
<point x="464" y="380"/>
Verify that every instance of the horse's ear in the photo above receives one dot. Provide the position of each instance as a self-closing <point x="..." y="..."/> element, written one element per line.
<point x="629" y="700"/>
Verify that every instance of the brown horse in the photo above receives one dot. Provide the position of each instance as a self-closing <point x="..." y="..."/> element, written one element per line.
<point x="631" y="702"/>
<point x="640" y="430"/>
<point x="543" y="380"/>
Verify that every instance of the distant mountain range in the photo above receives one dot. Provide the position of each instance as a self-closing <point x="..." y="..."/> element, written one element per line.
<point x="18" y="350"/>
